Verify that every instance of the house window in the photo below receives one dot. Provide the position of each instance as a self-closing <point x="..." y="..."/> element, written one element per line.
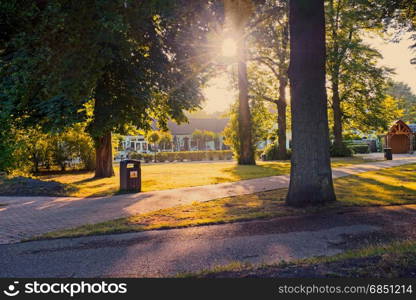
<point x="132" y="145"/>
<point x="138" y="146"/>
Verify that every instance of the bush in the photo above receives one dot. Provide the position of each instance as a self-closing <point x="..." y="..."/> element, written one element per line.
<point x="271" y="152"/>
<point x="135" y="155"/>
<point x="147" y="157"/>
<point x="259" y="153"/>
<point x="141" y="156"/>
<point x="35" y="150"/>
<point x="341" y="151"/>
<point x="87" y="154"/>
<point x="360" y="148"/>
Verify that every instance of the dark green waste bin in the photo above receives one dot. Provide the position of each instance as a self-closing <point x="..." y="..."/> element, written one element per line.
<point x="388" y="155"/>
<point x="130" y="175"/>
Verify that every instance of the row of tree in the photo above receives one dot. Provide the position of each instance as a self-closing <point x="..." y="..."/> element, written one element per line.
<point x="325" y="44"/>
<point x="360" y="94"/>
<point x="132" y="62"/>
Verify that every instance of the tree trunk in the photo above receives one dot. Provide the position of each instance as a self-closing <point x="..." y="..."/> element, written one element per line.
<point x="281" y="104"/>
<point x="281" y="119"/>
<point x="311" y="176"/>
<point x="336" y="108"/>
<point x="246" y="155"/>
<point x="104" y="156"/>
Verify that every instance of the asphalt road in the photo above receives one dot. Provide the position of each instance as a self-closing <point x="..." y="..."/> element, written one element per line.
<point x="169" y="252"/>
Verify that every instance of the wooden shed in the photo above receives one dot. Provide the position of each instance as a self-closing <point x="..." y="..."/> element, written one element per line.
<point x="401" y="137"/>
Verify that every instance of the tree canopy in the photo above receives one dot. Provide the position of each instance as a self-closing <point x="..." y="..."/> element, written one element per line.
<point x="406" y="100"/>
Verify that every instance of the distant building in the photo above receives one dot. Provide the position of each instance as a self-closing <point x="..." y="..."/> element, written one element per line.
<point x="182" y="134"/>
<point x="182" y="137"/>
<point x="401" y="137"/>
<point x="134" y="144"/>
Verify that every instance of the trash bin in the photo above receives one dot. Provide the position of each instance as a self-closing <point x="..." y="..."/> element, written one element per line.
<point x="388" y="155"/>
<point x="130" y="175"/>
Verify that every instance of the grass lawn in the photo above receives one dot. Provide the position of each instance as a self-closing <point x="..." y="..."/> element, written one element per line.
<point x="393" y="260"/>
<point x="384" y="187"/>
<point x="176" y="175"/>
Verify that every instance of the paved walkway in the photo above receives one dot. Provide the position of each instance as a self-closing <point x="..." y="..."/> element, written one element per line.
<point x="24" y="217"/>
<point x="164" y="253"/>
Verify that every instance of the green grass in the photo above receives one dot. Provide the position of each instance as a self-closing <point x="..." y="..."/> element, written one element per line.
<point x="391" y="186"/>
<point x="176" y="175"/>
<point x="386" y="260"/>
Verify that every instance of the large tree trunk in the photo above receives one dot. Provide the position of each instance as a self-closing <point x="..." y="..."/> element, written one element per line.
<point x="311" y="176"/>
<point x="336" y="108"/>
<point x="281" y="119"/>
<point x="246" y="155"/>
<point x="104" y="157"/>
<point x="102" y="136"/>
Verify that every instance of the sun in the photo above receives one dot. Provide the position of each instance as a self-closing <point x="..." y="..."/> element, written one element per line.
<point x="229" y="47"/>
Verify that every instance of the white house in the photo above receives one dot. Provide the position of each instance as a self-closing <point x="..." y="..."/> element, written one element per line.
<point x="182" y="137"/>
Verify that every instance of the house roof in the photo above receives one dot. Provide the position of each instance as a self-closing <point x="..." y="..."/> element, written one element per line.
<point x="215" y="125"/>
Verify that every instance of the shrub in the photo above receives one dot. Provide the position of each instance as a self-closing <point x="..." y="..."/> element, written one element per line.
<point x="341" y="151"/>
<point x="359" y="148"/>
<point x="178" y="156"/>
<point x="170" y="156"/>
<point x="136" y="155"/>
<point x="7" y="146"/>
<point x="259" y="153"/>
<point x="147" y="157"/>
<point x="87" y="155"/>
<point x="270" y="152"/>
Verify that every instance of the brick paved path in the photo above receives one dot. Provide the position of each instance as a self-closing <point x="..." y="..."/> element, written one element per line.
<point x="24" y="217"/>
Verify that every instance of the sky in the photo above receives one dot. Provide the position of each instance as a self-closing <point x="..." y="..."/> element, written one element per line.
<point x="219" y="94"/>
<point x="398" y="56"/>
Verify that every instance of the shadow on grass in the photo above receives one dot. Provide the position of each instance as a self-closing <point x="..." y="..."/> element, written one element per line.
<point x="87" y="180"/>
<point x="360" y="190"/>
<point x="241" y="172"/>
<point x="25" y="186"/>
<point x="60" y="172"/>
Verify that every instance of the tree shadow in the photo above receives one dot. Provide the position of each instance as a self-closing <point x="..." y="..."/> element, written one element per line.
<point x="370" y="191"/>
<point x="26" y="186"/>
<point x="86" y="180"/>
<point x="241" y="172"/>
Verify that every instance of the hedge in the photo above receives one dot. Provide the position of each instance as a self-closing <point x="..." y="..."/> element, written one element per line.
<point x="341" y="151"/>
<point x="183" y="156"/>
<point x="271" y="152"/>
<point x="359" y="148"/>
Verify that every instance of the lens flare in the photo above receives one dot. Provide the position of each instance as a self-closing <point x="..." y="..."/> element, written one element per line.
<point x="229" y="47"/>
